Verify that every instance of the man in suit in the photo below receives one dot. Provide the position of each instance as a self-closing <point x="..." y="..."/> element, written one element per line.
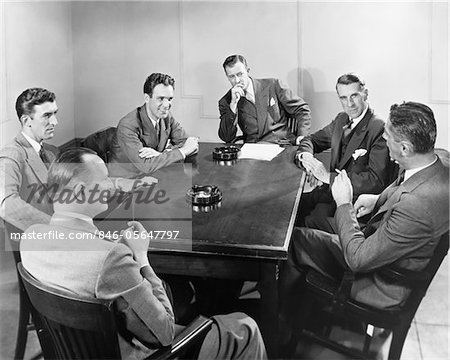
<point x="141" y="144"/>
<point x="24" y="162"/>
<point x="261" y="107"/>
<point x="69" y="253"/>
<point x="407" y="219"/>
<point x="357" y="145"/>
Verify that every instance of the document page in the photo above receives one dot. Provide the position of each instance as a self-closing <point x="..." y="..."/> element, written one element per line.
<point x="260" y="151"/>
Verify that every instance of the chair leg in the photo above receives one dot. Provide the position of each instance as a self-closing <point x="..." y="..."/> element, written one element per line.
<point x="398" y="339"/>
<point x="22" y="331"/>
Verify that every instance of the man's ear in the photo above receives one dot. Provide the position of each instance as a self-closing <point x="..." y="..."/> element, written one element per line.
<point x="25" y="120"/>
<point x="407" y="148"/>
<point x="146" y="98"/>
<point x="248" y="70"/>
<point x="79" y="192"/>
<point x="366" y="94"/>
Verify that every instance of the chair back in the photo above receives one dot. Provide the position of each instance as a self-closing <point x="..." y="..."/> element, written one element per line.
<point x="78" y="328"/>
<point x="101" y="142"/>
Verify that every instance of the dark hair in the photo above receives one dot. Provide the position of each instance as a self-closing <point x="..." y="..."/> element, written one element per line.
<point x="415" y="123"/>
<point x="66" y="167"/>
<point x="233" y="59"/>
<point x="350" y="78"/>
<point x="30" y="97"/>
<point x="156" y="79"/>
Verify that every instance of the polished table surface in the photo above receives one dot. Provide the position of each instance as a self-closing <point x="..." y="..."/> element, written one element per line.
<point x="246" y="238"/>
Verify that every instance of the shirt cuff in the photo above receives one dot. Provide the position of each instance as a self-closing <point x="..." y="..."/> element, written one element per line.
<point x="182" y="153"/>
<point x="299" y="139"/>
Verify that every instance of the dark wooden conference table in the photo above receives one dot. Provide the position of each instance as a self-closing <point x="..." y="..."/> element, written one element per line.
<point x="246" y="238"/>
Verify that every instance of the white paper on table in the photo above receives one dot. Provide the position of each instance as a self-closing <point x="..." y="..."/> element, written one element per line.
<point x="260" y="151"/>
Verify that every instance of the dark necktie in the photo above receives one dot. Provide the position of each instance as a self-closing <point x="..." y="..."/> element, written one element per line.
<point x="44" y="157"/>
<point x="400" y="178"/>
<point x="347" y="128"/>
<point x="158" y="129"/>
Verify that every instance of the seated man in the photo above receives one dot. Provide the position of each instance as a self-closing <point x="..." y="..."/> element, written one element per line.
<point x="140" y="146"/>
<point x="357" y="145"/>
<point x="24" y="163"/>
<point x="261" y="107"/>
<point x="408" y="218"/>
<point x="70" y="254"/>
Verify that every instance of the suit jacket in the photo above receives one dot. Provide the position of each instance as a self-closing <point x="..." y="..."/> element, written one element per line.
<point x="23" y="190"/>
<point x="136" y="131"/>
<point x="274" y="104"/>
<point x="405" y="231"/>
<point x="369" y="173"/>
<point x="80" y="262"/>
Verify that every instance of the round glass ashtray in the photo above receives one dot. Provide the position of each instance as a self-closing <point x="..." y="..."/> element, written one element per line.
<point x="226" y="153"/>
<point x="204" y="195"/>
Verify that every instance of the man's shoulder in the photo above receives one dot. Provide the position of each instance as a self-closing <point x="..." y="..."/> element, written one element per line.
<point x="130" y="119"/>
<point x="13" y="150"/>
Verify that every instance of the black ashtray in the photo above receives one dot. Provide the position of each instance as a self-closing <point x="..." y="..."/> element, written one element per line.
<point x="204" y="195"/>
<point x="226" y="153"/>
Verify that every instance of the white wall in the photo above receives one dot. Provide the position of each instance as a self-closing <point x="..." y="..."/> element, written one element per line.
<point x="37" y="52"/>
<point x="96" y="55"/>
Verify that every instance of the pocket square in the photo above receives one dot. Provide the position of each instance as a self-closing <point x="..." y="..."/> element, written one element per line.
<point x="272" y="102"/>
<point x="358" y="153"/>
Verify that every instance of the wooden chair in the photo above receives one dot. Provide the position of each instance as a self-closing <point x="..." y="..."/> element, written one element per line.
<point x="78" y="328"/>
<point x="25" y="323"/>
<point x="335" y="297"/>
<point x="100" y="142"/>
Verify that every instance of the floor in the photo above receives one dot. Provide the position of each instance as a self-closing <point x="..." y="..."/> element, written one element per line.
<point x="428" y="338"/>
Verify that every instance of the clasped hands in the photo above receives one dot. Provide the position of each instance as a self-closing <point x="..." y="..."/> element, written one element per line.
<point x="316" y="173"/>
<point x="189" y="147"/>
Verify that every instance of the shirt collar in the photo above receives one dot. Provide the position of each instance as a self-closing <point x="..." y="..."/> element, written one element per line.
<point x="151" y="119"/>
<point x="36" y="146"/>
<point x="76" y="216"/>
<point x="359" y="118"/>
<point x="411" y="172"/>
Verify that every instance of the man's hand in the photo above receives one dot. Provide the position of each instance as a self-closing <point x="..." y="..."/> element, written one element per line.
<point x="148" y="152"/>
<point x="130" y="185"/>
<point x="311" y="183"/>
<point x="365" y="204"/>
<point x="342" y="189"/>
<point x="236" y="93"/>
<point x="317" y="168"/>
<point x="137" y="239"/>
<point x="190" y="146"/>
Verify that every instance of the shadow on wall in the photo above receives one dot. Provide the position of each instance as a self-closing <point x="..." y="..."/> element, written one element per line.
<point x="324" y="104"/>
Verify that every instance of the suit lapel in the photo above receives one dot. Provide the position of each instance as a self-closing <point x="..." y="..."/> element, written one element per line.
<point x="407" y="186"/>
<point x="33" y="160"/>
<point x="261" y="101"/>
<point x="336" y="140"/>
<point x="358" y="136"/>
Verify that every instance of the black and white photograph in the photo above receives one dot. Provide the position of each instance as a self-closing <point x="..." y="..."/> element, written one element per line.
<point x="224" y="179"/>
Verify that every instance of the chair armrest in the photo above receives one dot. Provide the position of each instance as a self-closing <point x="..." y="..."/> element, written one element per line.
<point x="408" y="278"/>
<point x="194" y="332"/>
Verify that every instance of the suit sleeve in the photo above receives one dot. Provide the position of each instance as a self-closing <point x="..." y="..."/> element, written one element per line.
<point x="141" y="301"/>
<point x="177" y="134"/>
<point x="376" y="175"/>
<point x="295" y="106"/>
<point x="14" y="209"/>
<point x="408" y="228"/>
<point x="318" y="141"/>
<point x="228" y="122"/>
<point x="129" y="142"/>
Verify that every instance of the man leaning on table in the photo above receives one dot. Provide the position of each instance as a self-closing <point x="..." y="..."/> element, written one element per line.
<point x="355" y="138"/>
<point x="261" y="107"/>
<point x="149" y="137"/>
<point x="24" y="163"/>
<point x="407" y="219"/>
<point x="74" y="258"/>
